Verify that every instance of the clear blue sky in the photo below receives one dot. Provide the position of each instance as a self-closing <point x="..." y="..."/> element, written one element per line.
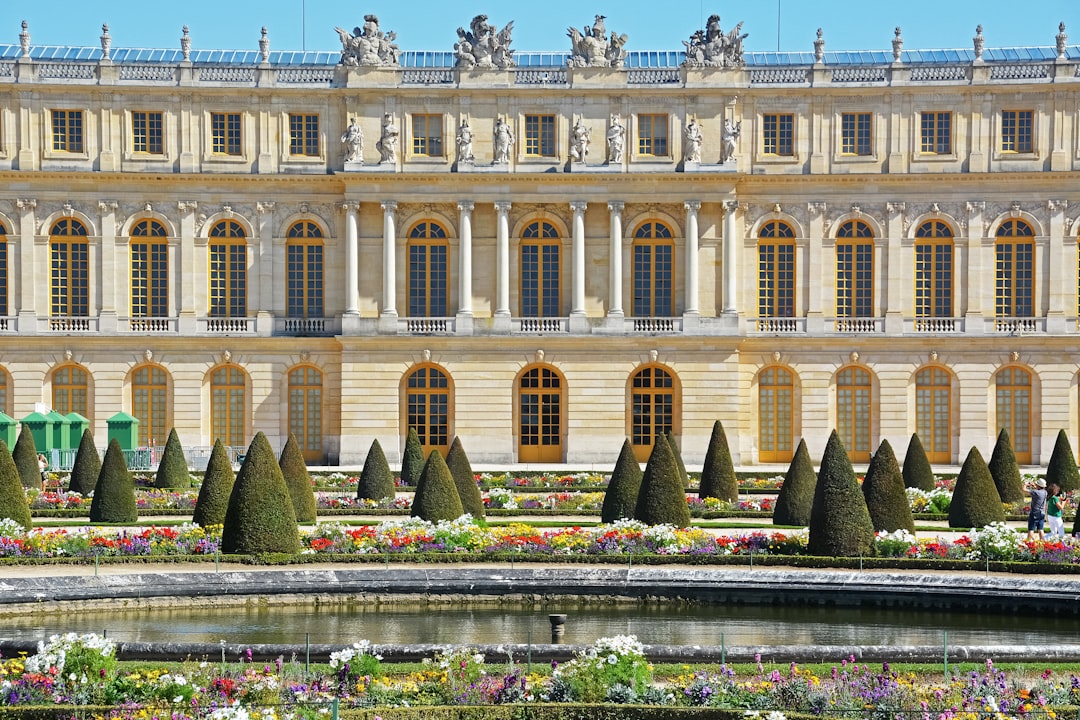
<point x="431" y="24"/>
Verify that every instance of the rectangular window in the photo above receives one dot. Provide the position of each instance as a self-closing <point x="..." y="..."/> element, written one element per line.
<point x="146" y="132"/>
<point x="427" y="135"/>
<point x="1016" y="128"/>
<point x="778" y="134"/>
<point x="540" y="135"/>
<point x="225" y="133"/>
<point x="936" y="133"/>
<point x="653" y="135"/>
<point x="303" y="134"/>
<point x="67" y="128"/>
<point x="855" y="133"/>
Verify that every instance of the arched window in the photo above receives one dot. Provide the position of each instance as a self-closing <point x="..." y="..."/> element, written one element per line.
<point x="69" y="269"/>
<point x="854" y="270"/>
<point x="654" y="271"/>
<point x="149" y="271"/>
<point x="71" y="390"/>
<point x="934" y="270"/>
<point x="304" y="269"/>
<point x="1014" y="270"/>
<point x="854" y="408"/>
<point x="150" y="404"/>
<point x="427" y="401"/>
<point x="652" y="408"/>
<point x="933" y="413"/>
<point x="776" y="270"/>
<point x="3" y="272"/>
<point x="540" y="416"/>
<point x="305" y="411"/>
<point x="228" y="270"/>
<point x="1013" y="396"/>
<point x="776" y="413"/>
<point x="428" y="270"/>
<point x="228" y="407"/>
<point x="540" y="271"/>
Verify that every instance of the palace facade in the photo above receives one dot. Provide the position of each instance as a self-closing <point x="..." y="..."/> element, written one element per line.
<point x="547" y="255"/>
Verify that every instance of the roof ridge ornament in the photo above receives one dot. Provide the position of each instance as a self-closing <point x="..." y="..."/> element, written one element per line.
<point x="185" y="44"/>
<point x="1061" y="39"/>
<point x="264" y="46"/>
<point x="897" y="45"/>
<point x="106" y="41"/>
<point x="368" y="46"/>
<point x="819" y="47"/>
<point x="483" y="46"/>
<point x="24" y="39"/>
<point x="712" y="47"/>
<point x="590" y="46"/>
<point x="979" y="41"/>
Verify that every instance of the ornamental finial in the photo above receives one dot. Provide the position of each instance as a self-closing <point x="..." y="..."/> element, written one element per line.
<point x="1062" y="39"/>
<point x="897" y="45"/>
<point x="264" y="46"/>
<point x="979" y="41"/>
<point x="185" y="45"/>
<point x="106" y="41"/>
<point x="24" y="39"/>
<point x="819" y="47"/>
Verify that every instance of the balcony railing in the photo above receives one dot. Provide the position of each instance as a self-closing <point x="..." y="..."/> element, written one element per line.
<point x="933" y="326"/>
<point x="855" y="326"/>
<point x="226" y="326"/>
<point x="654" y="324"/>
<point x="540" y="326"/>
<point x="78" y="325"/>
<point x="1016" y="326"/>
<point x="307" y="327"/>
<point x="777" y="326"/>
<point x="427" y="326"/>
<point x="150" y="326"/>
<point x="9" y="324"/>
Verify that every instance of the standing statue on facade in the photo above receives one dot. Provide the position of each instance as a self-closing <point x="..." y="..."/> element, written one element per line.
<point x="728" y="140"/>
<point x="590" y="46"/>
<point x="616" y="136"/>
<point x="504" y="140"/>
<point x="387" y="145"/>
<point x="353" y="140"/>
<point x="481" y="46"/>
<point x="580" y="137"/>
<point x="368" y="46"/>
<point x="711" y="47"/>
<point x="692" y="138"/>
<point x="464" y="143"/>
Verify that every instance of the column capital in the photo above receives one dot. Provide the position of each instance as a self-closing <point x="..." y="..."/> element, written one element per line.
<point x="264" y="206"/>
<point x="730" y="206"/>
<point x="692" y="205"/>
<point x="349" y="206"/>
<point x="466" y="205"/>
<point x="816" y="209"/>
<point x="578" y="206"/>
<point x="187" y="206"/>
<point x="107" y="205"/>
<point x="1057" y="206"/>
<point x="616" y="206"/>
<point x="502" y="206"/>
<point x="389" y="205"/>
<point x="26" y="203"/>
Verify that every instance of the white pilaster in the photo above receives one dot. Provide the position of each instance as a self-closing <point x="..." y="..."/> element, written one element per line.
<point x="389" y="308"/>
<point x="465" y="209"/>
<point x="352" y="257"/>
<point x="187" y="210"/>
<point x="25" y="261"/>
<point x="578" y="272"/>
<point x="615" y="279"/>
<point x="692" y="209"/>
<point x="731" y="258"/>
<point x="108" y="269"/>
<point x="502" y="259"/>
<point x="263" y="292"/>
<point x="1061" y="264"/>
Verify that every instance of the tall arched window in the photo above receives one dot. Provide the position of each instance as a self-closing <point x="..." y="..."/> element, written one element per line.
<point x="854" y="270"/>
<point x="304" y="270"/>
<point x="540" y="271"/>
<point x="3" y="272"/>
<point x="69" y="269"/>
<point x="933" y="413"/>
<point x="854" y="409"/>
<point x="429" y="280"/>
<point x="1014" y="270"/>
<point x="305" y="411"/>
<point x="427" y="402"/>
<point x="776" y="414"/>
<point x="150" y="404"/>
<point x="652" y="408"/>
<point x="540" y="415"/>
<point x="776" y="270"/>
<point x="71" y="390"/>
<point x="934" y="270"/>
<point x="149" y="270"/>
<point x="1013" y="396"/>
<point x="228" y="270"/>
<point x="653" y="256"/>
<point x="228" y="406"/>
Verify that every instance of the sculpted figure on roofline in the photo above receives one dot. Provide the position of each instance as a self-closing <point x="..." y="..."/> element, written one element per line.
<point x="590" y="46"/>
<point x="368" y="46"/>
<point x="483" y="46"/>
<point x="711" y="47"/>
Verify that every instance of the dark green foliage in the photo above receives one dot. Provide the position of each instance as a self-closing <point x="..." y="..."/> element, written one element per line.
<point x="25" y="457"/>
<point x="839" y="521"/>
<point x="1062" y="468"/>
<point x="886" y="498"/>
<point x="217" y="485"/>
<point x="795" y="502"/>
<point x="13" y="503"/>
<point x="620" y="498"/>
<point x="678" y="460"/>
<point x="298" y="481"/>
<point x="917" y="470"/>
<point x="661" y="498"/>
<point x="412" y="460"/>
<point x="436" y="495"/>
<point x="87" y="467"/>
<point x="1004" y="471"/>
<point x="460" y="469"/>
<point x="114" y="493"/>
<point x="718" y="474"/>
<point x="260" y="517"/>
<point x="376" y="479"/>
<point x="975" y="500"/>
<point x="172" y="471"/>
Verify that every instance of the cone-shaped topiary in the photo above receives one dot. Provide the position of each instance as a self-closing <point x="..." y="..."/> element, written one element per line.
<point x="298" y="481"/>
<point x="25" y="456"/>
<point x="436" y="496"/>
<point x="87" y="467"/>
<point x="839" y="521"/>
<point x="917" y="470"/>
<point x="661" y="498"/>
<point x="412" y="460"/>
<point x="114" y="493"/>
<point x="217" y="485"/>
<point x="260" y="517"/>
<point x="678" y="459"/>
<point x="172" y="470"/>
<point x="796" y="499"/>
<point x="13" y="504"/>
<point x="886" y="497"/>
<point x="376" y="479"/>
<point x="718" y="474"/>
<point x="975" y="500"/>
<point x="1004" y="471"/>
<point x="620" y="498"/>
<point x="1062" y="468"/>
<point x="460" y="469"/>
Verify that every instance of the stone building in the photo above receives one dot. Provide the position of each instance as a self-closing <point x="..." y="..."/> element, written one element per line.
<point x="545" y="253"/>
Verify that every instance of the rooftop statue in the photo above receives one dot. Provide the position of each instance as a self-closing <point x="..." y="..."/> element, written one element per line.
<point x="482" y="47"/>
<point x="368" y="46"/>
<point x="712" y="48"/>
<point x="591" y="48"/>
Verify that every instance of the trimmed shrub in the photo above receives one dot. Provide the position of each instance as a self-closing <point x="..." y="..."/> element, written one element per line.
<point x="620" y="498"/>
<point x="217" y="485"/>
<point x="87" y="467"/>
<point x="678" y="460"/>
<point x="13" y="504"/>
<point x="839" y="521"/>
<point x="1062" y="468"/>
<point x="661" y="498"/>
<point x="25" y="456"/>
<point x="795" y="502"/>
<point x="1004" y="471"/>
<point x="260" y="517"/>
<point x="172" y="471"/>
<point x="975" y="500"/>
<point x="886" y="498"/>
<point x="436" y="495"/>
<point x="114" y="493"/>
<point x="298" y="481"/>
<point x="917" y="470"/>
<point x="412" y="460"/>
<point x="460" y="469"/>
<point x="718" y="474"/>
<point x="376" y="479"/>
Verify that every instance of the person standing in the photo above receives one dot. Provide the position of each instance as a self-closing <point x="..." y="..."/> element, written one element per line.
<point x="1037" y="512"/>
<point x="43" y="468"/>
<point x="1055" y="504"/>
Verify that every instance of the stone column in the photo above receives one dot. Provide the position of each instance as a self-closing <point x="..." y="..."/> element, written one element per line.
<point x="731" y="259"/>
<point x="977" y="255"/>
<point x="814" y="277"/>
<point x="24" y="283"/>
<point x="896" y="277"/>
<point x="107" y="277"/>
<point x="352" y="257"/>
<point x="615" y="276"/>
<point x="578" y="272"/>
<point x="465" y="209"/>
<point x="1062" y="265"/>
<point x="389" y="308"/>
<point x="502" y="259"/>
<point x="187" y="209"/>
<point x="692" y="208"/>
<point x="264" y="271"/>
